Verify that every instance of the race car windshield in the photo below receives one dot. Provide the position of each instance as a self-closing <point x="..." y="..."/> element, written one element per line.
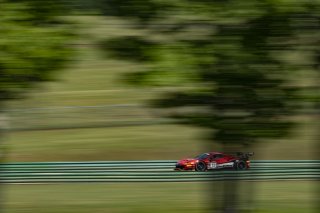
<point x="202" y="156"/>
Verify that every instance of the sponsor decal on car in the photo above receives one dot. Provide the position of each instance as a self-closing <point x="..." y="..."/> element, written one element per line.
<point x="214" y="165"/>
<point x="230" y="164"/>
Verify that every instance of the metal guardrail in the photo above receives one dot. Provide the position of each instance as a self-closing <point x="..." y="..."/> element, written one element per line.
<point x="150" y="171"/>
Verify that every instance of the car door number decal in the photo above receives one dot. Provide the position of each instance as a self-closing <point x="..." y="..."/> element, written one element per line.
<point x="212" y="165"/>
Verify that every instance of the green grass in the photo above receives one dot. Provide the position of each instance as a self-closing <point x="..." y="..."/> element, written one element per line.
<point x="273" y="197"/>
<point x="92" y="79"/>
<point x="126" y="143"/>
<point x="140" y="143"/>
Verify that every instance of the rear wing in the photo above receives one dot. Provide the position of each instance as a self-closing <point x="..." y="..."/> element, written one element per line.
<point x="244" y="155"/>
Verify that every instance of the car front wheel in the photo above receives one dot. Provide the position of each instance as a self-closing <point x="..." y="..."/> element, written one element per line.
<point x="201" y="167"/>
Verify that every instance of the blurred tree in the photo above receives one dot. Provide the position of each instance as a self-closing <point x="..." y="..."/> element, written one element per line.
<point x="236" y="57"/>
<point x="33" y="46"/>
<point x="239" y="54"/>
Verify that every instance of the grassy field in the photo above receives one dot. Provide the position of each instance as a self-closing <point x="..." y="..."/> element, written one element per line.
<point x="89" y="96"/>
<point x="126" y="143"/>
<point x="273" y="197"/>
<point x="134" y="143"/>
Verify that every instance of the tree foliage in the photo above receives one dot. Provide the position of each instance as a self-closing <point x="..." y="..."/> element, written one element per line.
<point x="33" y="45"/>
<point x="239" y="55"/>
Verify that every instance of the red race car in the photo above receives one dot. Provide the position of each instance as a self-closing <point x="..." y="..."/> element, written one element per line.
<point x="216" y="160"/>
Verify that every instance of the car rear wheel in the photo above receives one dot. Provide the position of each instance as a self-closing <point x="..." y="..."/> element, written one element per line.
<point x="241" y="165"/>
<point x="201" y="167"/>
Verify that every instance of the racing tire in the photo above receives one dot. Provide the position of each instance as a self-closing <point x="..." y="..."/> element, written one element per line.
<point x="201" y="167"/>
<point x="241" y="165"/>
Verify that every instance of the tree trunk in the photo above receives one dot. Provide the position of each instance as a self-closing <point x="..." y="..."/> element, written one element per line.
<point x="3" y="128"/>
<point x="233" y="196"/>
<point x="225" y="193"/>
<point x="317" y="147"/>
